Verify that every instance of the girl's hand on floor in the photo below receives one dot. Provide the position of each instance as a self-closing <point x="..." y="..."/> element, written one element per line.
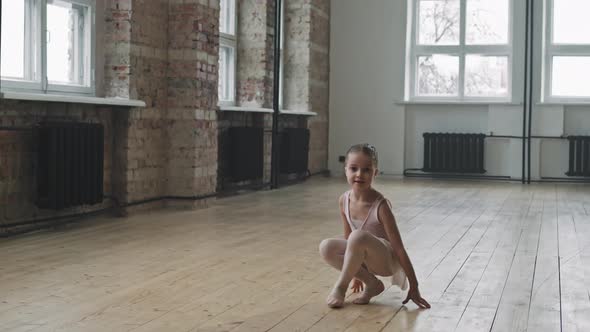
<point x="357" y="285"/>
<point x="414" y="295"/>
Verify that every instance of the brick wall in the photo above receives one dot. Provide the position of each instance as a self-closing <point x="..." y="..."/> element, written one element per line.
<point x="242" y="119"/>
<point x="306" y="69"/>
<point x="254" y="84"/>
<point x="18" y="155"/>
<point x="319" y="80"/>
<point x="307" y="38"/>
<point x="165" y="52"/>
<point x="191" y="120"/>
<point x="255" y="32"/>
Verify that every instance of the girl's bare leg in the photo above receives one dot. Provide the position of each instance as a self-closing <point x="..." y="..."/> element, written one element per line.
<point x="361" y="247"/>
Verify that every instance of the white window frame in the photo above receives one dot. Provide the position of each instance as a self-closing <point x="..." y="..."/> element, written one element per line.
<point x="282" y="57"/>
<point x="230" y="40"/>
<point x="461" y="50"/>
<point x="36" y="53"/>
<point x="552" y="49"/>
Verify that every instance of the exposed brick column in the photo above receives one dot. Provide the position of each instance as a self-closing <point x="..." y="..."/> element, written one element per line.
<point x="191" y="121"/>
<point x="255" y="53"/>
<point x="165" y="53"/>
<point x="117" y="42"/>
<point x="319" y="84"/>
<point x="307" y="37"/>
<point x="135" y="67"/>
<point x="297" y="55"/>
<point x="254" y="81"/>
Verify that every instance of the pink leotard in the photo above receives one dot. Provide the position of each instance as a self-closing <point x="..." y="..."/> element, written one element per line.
<point x="372" y="225"/>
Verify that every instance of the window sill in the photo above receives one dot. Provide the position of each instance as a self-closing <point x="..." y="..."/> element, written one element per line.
<point x="262" y="110"/>
<point x="564" y="103"/>
<point x="72" y="99"/>
<point x="449" y="102"/>
<point x="245" y="109"/>
<point x="306" y="113"/>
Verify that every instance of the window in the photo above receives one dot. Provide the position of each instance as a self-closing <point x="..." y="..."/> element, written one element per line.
<point x="47" y="46"/>
<point x="227" y="52"/>
<point x="460" y="50"/>
<point x="567" y="50"/>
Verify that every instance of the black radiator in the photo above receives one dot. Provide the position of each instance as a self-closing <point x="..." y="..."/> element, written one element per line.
<point x="70" y="164"/>
<point x="246" y="153"/>
<point x="294" y="144"/>
<point x="579" y="157"/>
<point x="456" y="153"/>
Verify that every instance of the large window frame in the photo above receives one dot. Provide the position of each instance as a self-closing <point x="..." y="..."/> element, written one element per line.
<point x="282" y="57"/>
<point x="551" y="50"/>
<point x="228" y="40"/>
<point x="35" y="60"/>
<point x="462" y="50"/>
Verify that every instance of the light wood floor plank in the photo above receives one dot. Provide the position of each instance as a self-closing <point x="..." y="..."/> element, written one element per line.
<point x="575" y="303"/>
<point x="490" y="256"/>
<point x="544" y="310"/>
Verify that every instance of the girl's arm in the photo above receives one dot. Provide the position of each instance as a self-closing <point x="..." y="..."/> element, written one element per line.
<point x="388" y="220"/>
<point x="347" y="229"/>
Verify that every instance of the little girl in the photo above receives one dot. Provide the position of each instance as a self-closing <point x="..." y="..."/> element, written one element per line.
<point x="372" y="244"/>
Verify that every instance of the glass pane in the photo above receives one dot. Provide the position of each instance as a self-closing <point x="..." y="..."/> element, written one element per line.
<point x="486" y="76"/>
<point x="226" y="16"/>
<point x="65" y="43"/>
<point x="12" y="54"/>
<point x="487" y="22"/>
<point x="282" y="25"/>
<point x="224" y="85"/>
<point x="570" y="21"/>
<point x="438" y="75"/>
<point x="222" y="16"/>
<point x="281" y="78"/>
<point x="222" y="81"/>
<point x="570" y="76"/>
<point x="438" y="22"/>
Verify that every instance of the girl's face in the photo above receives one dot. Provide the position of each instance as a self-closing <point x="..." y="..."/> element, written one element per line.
<point x="360" y="170"/>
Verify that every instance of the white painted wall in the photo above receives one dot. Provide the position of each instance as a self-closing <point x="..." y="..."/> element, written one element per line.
<point x="366" y="77"/>
<point x="435" y="118"/>
<point x="367" y="68"/>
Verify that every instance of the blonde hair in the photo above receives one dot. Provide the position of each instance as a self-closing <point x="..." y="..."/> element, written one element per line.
<point x="366" y="149"/>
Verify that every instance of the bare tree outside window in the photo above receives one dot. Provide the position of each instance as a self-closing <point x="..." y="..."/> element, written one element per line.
<point x="487" y="22"/>
<point x="439" y="31"/>
<point x="438" y="75"/>
<point x="439" y="22"/>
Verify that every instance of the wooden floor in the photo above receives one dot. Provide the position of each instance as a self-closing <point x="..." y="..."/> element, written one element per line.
<point x="490" y="257"/>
